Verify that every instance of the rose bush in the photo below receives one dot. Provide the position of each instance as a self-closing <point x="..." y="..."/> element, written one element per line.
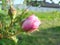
<point x="13" y="23"/>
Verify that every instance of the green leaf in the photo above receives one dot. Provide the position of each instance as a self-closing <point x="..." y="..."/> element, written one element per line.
<point x="6" y="42"/>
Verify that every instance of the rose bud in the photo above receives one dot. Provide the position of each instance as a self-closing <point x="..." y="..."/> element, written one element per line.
<point x="31" y="24"/>
<point x="12" y="12"/>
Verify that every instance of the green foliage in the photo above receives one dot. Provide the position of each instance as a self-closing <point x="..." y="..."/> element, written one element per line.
<point x="48" y="34"/>
<point x="6" y="42"/>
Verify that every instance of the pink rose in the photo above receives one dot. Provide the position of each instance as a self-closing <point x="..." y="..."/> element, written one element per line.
<point x="31" y="24"/>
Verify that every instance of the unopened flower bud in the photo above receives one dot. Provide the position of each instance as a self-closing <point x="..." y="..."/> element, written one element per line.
<point x="12" y="12"/>
<point x="31" y="24"/>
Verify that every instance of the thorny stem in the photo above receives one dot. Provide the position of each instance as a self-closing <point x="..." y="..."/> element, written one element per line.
<point x="11" y="24"/>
